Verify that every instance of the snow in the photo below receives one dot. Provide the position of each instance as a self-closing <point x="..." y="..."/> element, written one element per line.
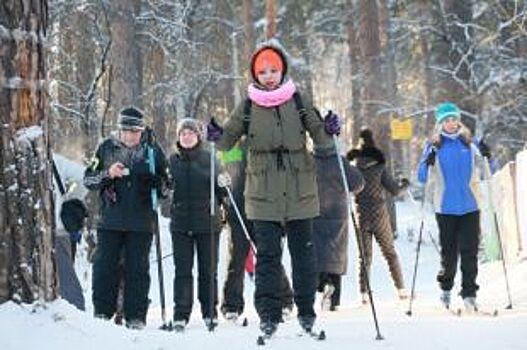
<point x="29" y="133"/>
<point x="58" y="325"/>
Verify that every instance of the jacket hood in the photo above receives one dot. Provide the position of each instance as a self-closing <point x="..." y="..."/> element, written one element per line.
<point x="274" y="45"/>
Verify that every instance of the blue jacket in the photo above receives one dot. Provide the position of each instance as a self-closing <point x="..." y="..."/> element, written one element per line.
<point x="456" y="175"/>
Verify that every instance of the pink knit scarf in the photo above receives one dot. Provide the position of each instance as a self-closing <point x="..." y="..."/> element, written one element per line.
<point x="274" y="97"/>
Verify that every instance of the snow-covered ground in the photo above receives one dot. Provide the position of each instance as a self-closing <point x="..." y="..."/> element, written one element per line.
<point x="59" y="326"/>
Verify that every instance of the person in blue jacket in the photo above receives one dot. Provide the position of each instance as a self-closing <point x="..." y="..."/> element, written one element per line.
<point x="453" y="162"/>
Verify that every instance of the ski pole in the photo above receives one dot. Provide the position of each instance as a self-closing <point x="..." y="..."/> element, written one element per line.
<point x="418" y="250"/>
<point x="212" y="284"/>
<point x="498" y="233"/>
<point x="434" y="242"/>
<point x="358" y="237"/>
<point x="240" y="219"/>
<point x="153" y="193"/>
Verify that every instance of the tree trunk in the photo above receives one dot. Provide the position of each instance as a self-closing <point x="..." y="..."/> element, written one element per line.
<point x="270" y="16"/>
<point x="423" y="13"/>
<point x="158" y="110"/>
<point x="27" y="271"/>
<point x="451" y="59"/>
<point x="126" y="68"/>
<point x="373" y="100"/>
<point x="249" y="40"/>
<point x="354" y="57"/>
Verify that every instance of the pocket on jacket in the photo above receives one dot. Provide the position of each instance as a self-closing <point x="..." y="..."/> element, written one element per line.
<point x="256" y="182"/>
<point x="304" y="176"/>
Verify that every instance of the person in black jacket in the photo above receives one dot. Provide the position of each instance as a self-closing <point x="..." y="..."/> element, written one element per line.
<point x="120" y="173"/>
<point x="330" y="229"/>
<point x="190" y="225"/>
<point x="373" y="216"/>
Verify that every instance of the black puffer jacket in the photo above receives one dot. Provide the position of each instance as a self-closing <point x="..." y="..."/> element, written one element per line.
<point x="126" y="203"/>
<point x="330" y="229"/>
<point x="190" y="208"/>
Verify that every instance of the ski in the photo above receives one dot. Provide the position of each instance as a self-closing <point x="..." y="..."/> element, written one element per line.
<point x="458" y="312"/>
<point x="315" y="335"/>
<point x="320" y="335"/>
<point x="477" y="312"/>
<point x="238" y="321"/>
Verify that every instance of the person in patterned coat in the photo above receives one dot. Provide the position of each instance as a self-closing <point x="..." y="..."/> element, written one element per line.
<point x="372" y="210"/>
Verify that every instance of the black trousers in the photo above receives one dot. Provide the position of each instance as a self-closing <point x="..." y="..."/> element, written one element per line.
<point x="459" y="236"/>
<point x="335" y="280"/>
<point x="267" y="296"/>
<point x="234" y="282"/>
<point x="136" y="249"/>
<point x="183" y="245"/>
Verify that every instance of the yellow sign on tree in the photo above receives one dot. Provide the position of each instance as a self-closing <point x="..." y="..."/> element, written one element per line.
<point x="402" y="129"/>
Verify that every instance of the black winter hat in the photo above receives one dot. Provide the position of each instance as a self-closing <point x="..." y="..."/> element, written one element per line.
<point x="131" y="118"/>
<point x="366" y="138"/>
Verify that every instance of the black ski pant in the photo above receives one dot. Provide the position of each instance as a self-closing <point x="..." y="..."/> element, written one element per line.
<point x="183" y="245"/>
<point x="267" y="295"/>
<point x="234" y="282"/>
<point x="136" y="248"/>
<point x="459" y="236"/>
<point x="334" y="279"/>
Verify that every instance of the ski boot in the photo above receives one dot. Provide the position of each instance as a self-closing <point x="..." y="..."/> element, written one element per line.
<point x="445" y="299"/>
<point x="306" y="322"/>
<point x="268" y="328"/>
<point x="403" y="294"/>
<point x="325" y="304"/>
<point x="470" y="304"/>
<point x="210" y="323"/>
<point x="179" y="326"/>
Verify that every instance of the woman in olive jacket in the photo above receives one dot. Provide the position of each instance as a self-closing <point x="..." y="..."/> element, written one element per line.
<point x="280" y="191"/>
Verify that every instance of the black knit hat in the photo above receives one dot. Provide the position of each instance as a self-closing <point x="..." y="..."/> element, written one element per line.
<point x="366" y="138"/>
<point x="131" y="118"/>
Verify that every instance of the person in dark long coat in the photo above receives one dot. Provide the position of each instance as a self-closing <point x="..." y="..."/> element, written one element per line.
<point x="330" y="229"/>
<point x="373" y="216"/>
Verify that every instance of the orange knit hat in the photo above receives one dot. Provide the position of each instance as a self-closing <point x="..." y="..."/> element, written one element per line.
<point x="267" y="58"/>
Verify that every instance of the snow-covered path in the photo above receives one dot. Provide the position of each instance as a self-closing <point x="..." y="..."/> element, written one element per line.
<point x="60" y="326"/>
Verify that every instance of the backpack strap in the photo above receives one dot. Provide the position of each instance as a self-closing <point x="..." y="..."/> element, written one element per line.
<point x="247" y="115"/>
<point x="302" y="112"/>
<point x="57" y="178"/>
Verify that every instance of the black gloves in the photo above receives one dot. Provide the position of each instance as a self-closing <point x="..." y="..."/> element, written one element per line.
<point x="484" y="149"/>
<point x="431" y="158"/>
<point x="404" y="183"/>
<point x="149" y="181"/>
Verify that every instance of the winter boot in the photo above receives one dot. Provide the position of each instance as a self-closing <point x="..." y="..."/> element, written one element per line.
<point x="403" y="294"/>
<point x="445" y="298"/>
<point x="268" y="327"/>
<point x="287" y="312"/>
<point x="306" y="322"/>
<point x="231" y="316"/>
<point x="365" y="298"/>
<point x="470" y="304"/>
<point x="179" y="326"/>
<point x="210" y="323"/>
<point x="135" y="324"/>
<point x="328" y="291"/>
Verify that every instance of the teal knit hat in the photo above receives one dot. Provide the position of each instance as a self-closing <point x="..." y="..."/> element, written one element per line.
<point x="446" y="110"/>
